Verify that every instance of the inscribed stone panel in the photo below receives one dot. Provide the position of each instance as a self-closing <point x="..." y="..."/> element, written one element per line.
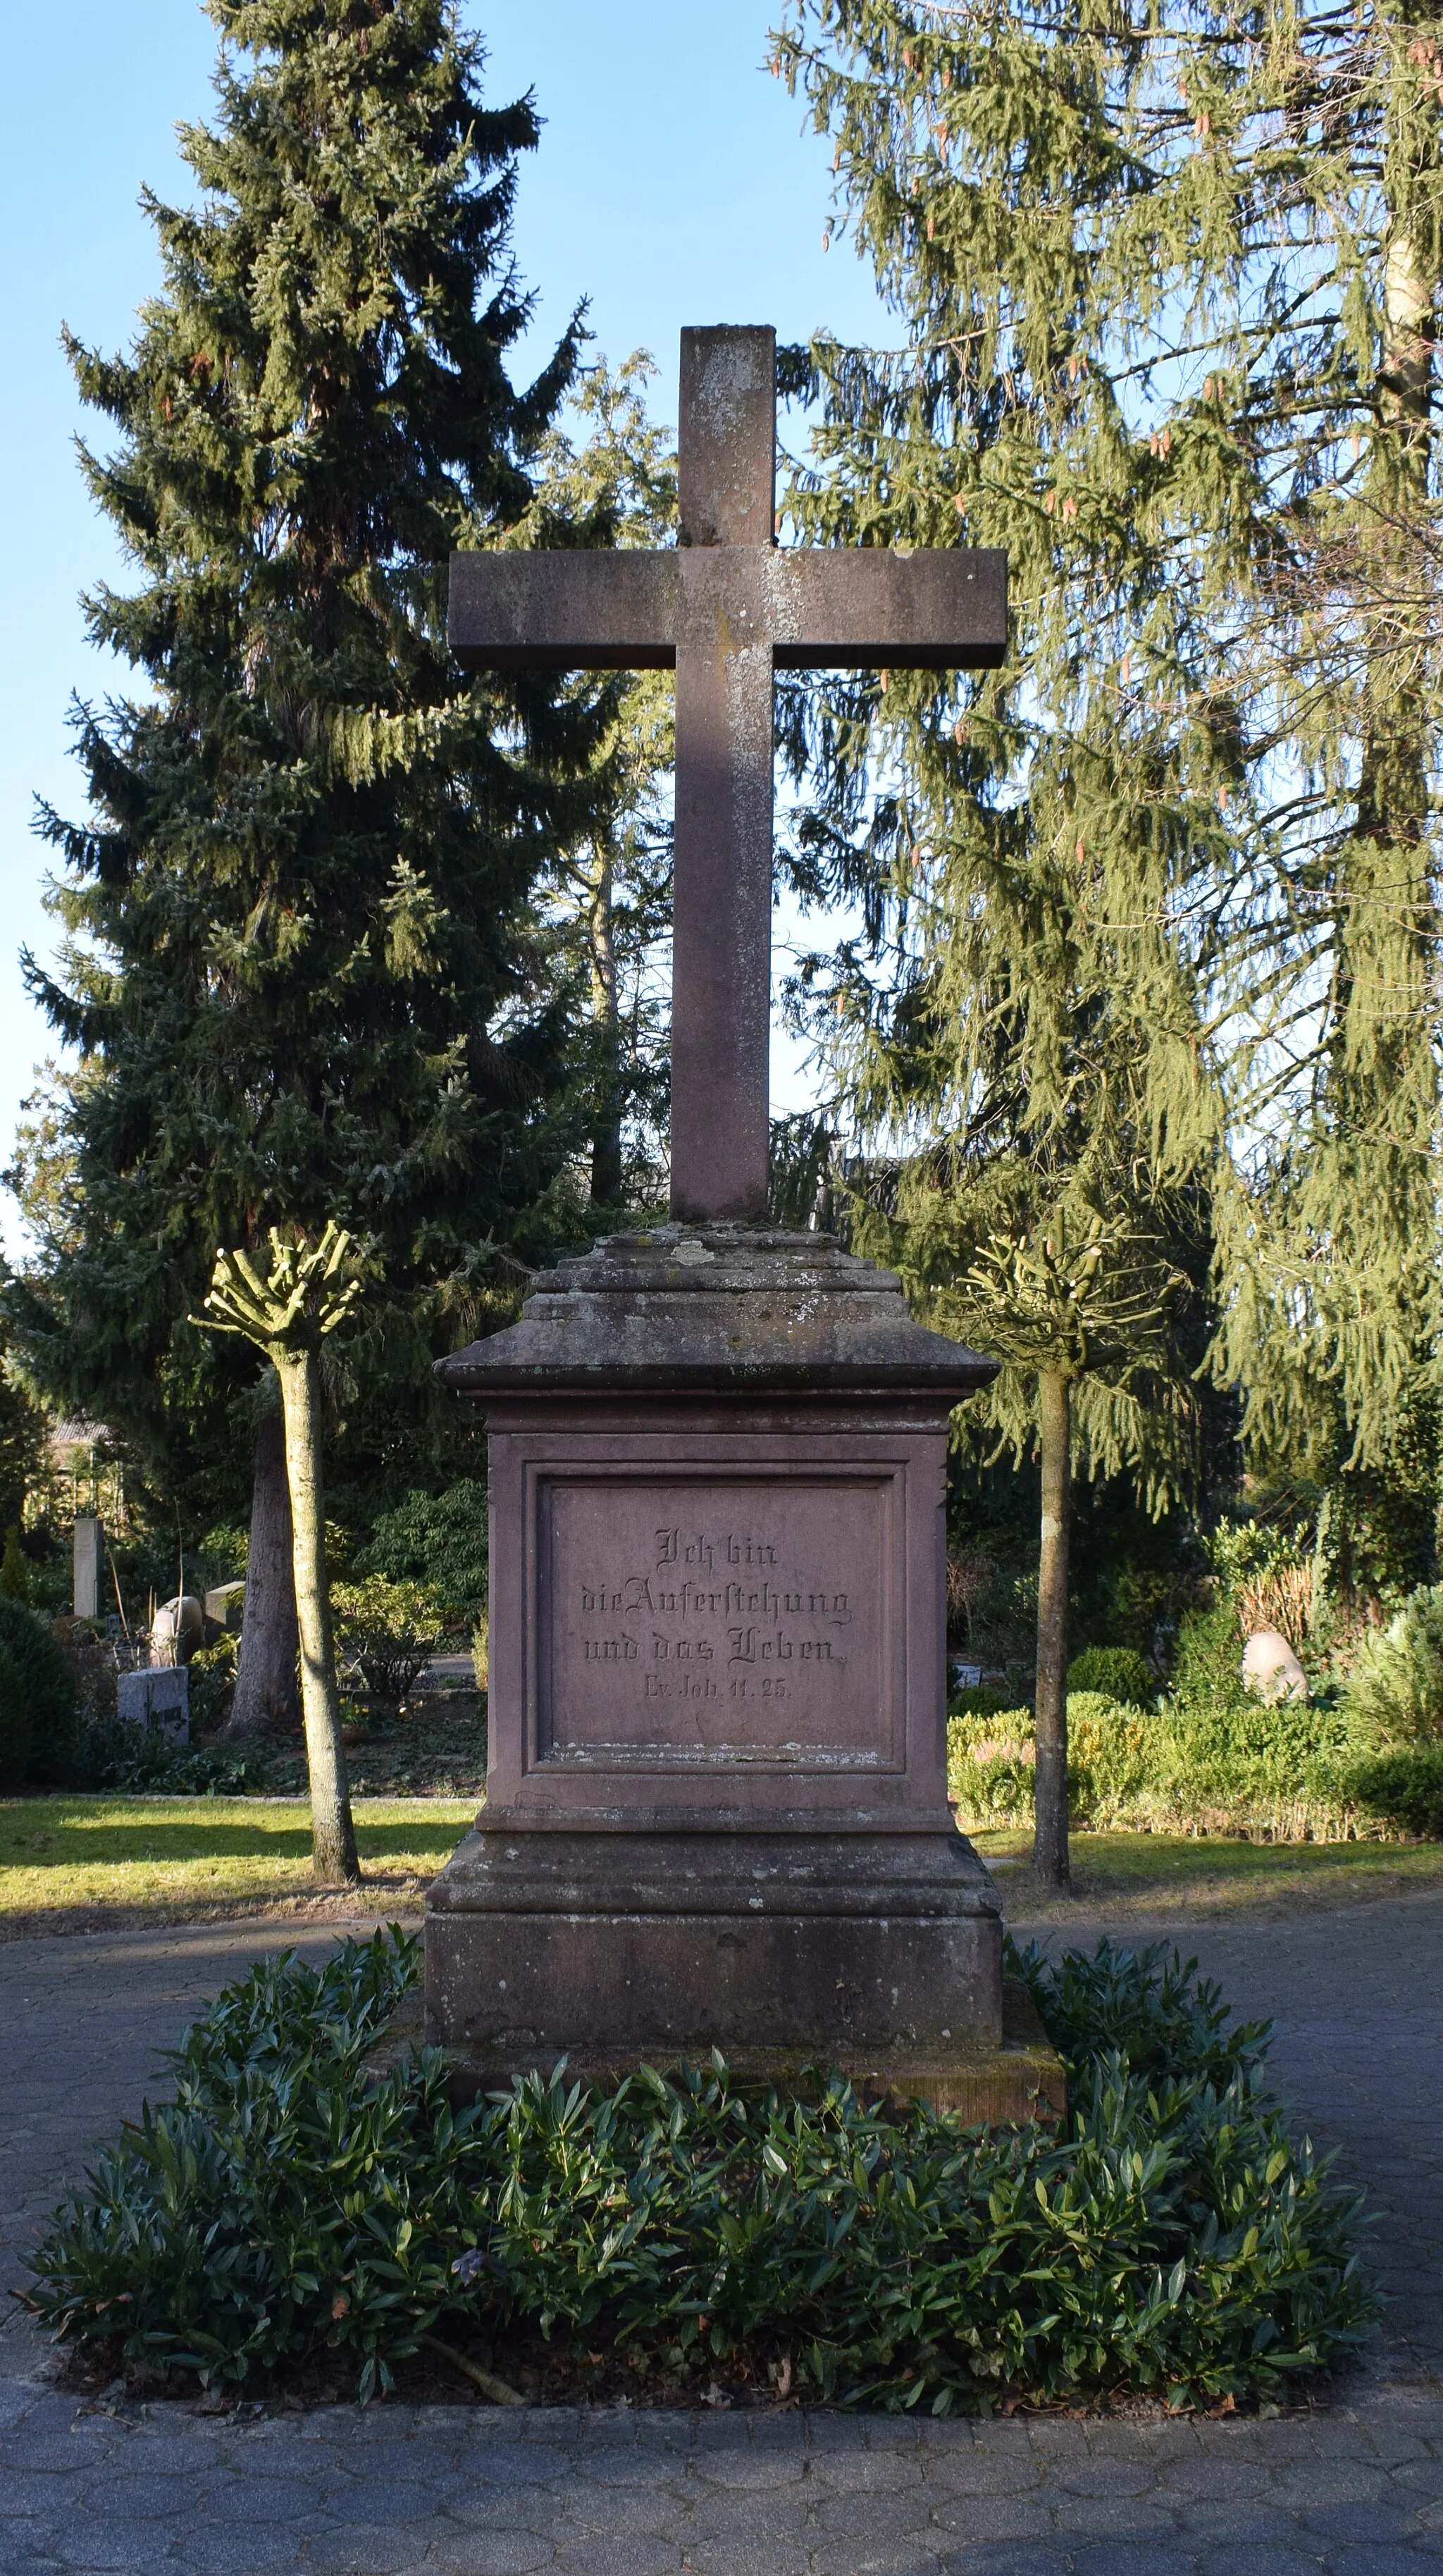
<point x="691" y="1622"/>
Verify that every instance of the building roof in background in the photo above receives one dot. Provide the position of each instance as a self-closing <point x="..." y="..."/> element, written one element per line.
<point x="78" y="1433"/>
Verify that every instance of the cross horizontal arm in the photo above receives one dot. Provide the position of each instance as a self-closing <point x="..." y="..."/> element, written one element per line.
<point x="866" y="608"/>
<point x="848" y="607"/>
<point x="568" y="612"/>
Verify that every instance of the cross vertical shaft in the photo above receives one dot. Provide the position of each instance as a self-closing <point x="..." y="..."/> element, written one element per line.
<point x="724" y="609"/>
<point x="721" y="926"/>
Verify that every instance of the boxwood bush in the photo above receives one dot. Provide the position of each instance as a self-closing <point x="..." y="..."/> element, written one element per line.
<point x="14" y="1723"/>
<point x="39" y="1729"/>
<point x="1174" y="2238"/>
<point x="1403" y="1789"/>
<point x="1116" y="1672"/>
<point x="1111" y="1753"/>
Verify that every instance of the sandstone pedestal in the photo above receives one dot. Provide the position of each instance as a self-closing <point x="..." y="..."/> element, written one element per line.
<point x="716" y="1810"/>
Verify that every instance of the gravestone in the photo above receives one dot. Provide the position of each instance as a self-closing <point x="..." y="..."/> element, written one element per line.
<point x="157" y="1700"/>
<point x="89" y="1566"/>
<point x="716" y="1799"/>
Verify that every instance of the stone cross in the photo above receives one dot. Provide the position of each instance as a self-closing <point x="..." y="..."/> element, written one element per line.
<point x="726" y="608"/>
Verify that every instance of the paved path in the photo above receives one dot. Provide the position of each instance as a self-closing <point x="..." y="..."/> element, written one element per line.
<point x="1357" y="2491"/>
<point x="84" y="2019"/>
<point x="1357" y="1996"/>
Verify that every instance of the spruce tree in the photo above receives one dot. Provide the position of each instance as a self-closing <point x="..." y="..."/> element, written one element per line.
<point x="1165" y="285"/>
<point x="307" y="971"/>
<point x="617" y="484"/>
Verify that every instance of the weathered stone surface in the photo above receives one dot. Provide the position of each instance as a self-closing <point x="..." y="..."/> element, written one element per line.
<point x="731" y="1308"/>
<point x="717" y="1457"/>
<point x="630" y="1946"/>
<point x="857" y="607"/>
<point x="1016" y="2076"/>
<point x="727" y="608"/>
<point x="716" y="1804"/>
<point x="717" y="1474"/>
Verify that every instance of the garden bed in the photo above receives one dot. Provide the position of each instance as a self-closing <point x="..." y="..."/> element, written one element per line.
<point x="286" y="2230"/>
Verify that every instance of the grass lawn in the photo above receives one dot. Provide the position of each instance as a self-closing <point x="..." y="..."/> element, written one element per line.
<point x="1144" y="1878"/>
<point x="68" y="1861"/>
<point x="119" y="1857"/>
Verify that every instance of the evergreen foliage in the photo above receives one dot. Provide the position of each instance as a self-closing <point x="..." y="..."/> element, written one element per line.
<point x="44" y="1735"/>
<point x="15" y="1728"/>
<point x="1393" y="1694"/>
<point x="1404" y="1789"/>
<point x="22" y="1449"/>
<point x="1120" y="1671"/>
<point x="438" y="1543"/>
<point x="306" y="971"/>
<point x="1176" y="2238"/>
<point x="1151" y="911"/>
<point x="14" y="1572"/>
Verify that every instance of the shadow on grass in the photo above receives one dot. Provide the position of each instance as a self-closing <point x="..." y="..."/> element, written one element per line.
<point x="71" y="1840"/>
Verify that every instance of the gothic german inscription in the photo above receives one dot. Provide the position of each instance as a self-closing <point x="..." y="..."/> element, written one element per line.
<point x="696" y="1622"/>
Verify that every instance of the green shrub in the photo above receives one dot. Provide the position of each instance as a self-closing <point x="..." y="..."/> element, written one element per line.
<point x="212" y="1670"/>
<point x="984" y="1700"/>
<point x="387" y="1633"/>
<point x="14" y="1572"/>
<point x="1176" y="2237"/>
<point x="1238" y="1759"/>
<point x="990" y="1760"/>
<point x="1111" y="1752"/>
<point x="115" y="1755"/>
<point x="438" y="1541"/>
<point x="1118" y="1672"/>
<point x="1148" y="2005"/>
<point x="14" y="1724"/>
<point x="1393" y="1693"/>
<point x="1402" y="1788"/>
<point x="1224" y="1757"/>
<point x="1207" y="1659"/>
<point x="47" y="1691"/>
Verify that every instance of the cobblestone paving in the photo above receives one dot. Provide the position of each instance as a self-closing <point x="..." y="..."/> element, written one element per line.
<point x="1357" y="1997"/>
<point x="1355" y="2491"/>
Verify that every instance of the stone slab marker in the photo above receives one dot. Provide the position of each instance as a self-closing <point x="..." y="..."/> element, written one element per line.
<point x="716" y="1800"/>
<point x="89" y="1566"/>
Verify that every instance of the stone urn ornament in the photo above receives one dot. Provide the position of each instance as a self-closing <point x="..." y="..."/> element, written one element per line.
<point x="1271" y="1670"/>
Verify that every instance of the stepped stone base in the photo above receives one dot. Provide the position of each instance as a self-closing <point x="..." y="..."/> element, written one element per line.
<point x="629" y="1944"/>
<point x="1020" y="2079"/>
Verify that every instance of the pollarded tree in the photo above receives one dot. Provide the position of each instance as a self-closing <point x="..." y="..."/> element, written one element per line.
<point x="307" y="970"/>
<point x="286" y="1310"/>
<point x="1079" y="1319"/>
<point x="1166" y="280"/>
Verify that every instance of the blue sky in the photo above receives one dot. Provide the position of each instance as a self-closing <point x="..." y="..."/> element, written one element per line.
<point x="673" y="185"/>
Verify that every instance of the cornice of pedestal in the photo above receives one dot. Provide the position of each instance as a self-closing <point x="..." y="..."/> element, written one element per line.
<point x="713" y="1305"/>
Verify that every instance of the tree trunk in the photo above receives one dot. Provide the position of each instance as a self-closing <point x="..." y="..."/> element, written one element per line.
<point x="605" y="1010"/>
<point x="265" y="1682"/>
<point x="1393" y="780"/>
<point x="1049" y="1850"/>
<point x="333" y="1835"/>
